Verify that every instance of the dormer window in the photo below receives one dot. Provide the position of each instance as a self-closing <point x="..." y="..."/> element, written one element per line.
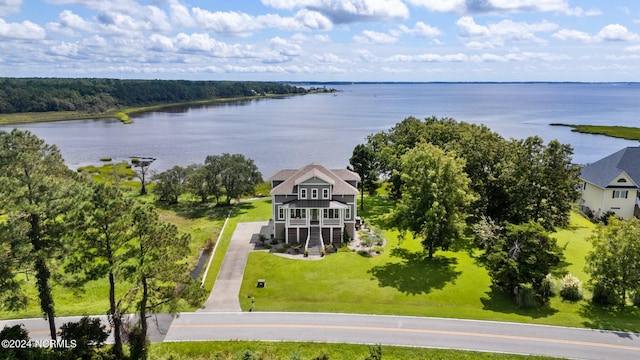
<point x="303" y="193"/>
<point x="325" y="193"/>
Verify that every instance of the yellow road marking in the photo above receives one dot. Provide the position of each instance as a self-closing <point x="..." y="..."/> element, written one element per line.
<point x="423" y="331"/>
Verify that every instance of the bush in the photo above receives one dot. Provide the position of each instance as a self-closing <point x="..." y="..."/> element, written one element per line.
<point x="87" y="334"/>
<point x="526" y="297"/>
<point x="548" y="287"/>
<point x="604" y="296"/>
<point x="635" y="298"/>
<point x="571" y="288"/>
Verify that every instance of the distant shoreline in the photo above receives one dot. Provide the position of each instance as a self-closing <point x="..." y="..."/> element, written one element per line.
<point x="620" y="132"/>
<point x="119" y="114"/>
<point x="299" y="83"/>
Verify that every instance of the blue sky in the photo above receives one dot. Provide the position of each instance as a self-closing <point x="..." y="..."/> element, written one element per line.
<point x="323" y="40"/>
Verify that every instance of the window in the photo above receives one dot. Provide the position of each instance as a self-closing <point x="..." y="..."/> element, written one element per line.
<point x="280" y="213"/>
<point x="347" y="213"/>
<point x="303" y="193"/>
<point x="325" y="193"/>
<point x="331" y="213"/>
<point x="620" y="194"/>
<point x="314" y="193"/>
<point x="622" y="180"/>
<point x="298" y="213"/>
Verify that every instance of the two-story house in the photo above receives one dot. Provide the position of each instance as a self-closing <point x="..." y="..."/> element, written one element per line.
<point x="314" y="206"/>
<point x="612" y="184"/>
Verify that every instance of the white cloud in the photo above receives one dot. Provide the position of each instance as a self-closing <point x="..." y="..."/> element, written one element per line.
<point x="348" y="11"/>
<point x="633" y="48"/>
<point x="8" y="7"/>
<point x="374" y="37"/>
<point x="181" y="17"/>
<point x="505" y="30"/>
<point x="616" y="32"/>
<point x="572" y="35"/>
<point x="427" y="58"/>
<point x="420" y="30"/>
<point x="502" y="6"/>
<point x="65" y="49"/>
<point x="25" y="30"/>
<point x="313" y="20"/>
<point x="228" y="23"/>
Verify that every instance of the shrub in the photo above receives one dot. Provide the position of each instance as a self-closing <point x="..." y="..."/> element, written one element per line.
<point x="88" y="333"/>
<point x="635" y="298"/>
<point x="526" y="297"/>
<point x="548" y="286"/>
<point x="604" y="296"/>
<point x="571" y="289"/>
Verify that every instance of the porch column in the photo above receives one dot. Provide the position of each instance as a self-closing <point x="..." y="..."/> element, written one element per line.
<point x="298" y="234"/>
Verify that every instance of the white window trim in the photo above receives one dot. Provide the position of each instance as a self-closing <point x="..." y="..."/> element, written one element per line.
<point x="303" y="193"/>
<point x="620" y="194"/>
<point x="347" y="213"/>
<point x="281" y="213"/>
<point x="314" y="193"/>
<point x="325" y="193"/>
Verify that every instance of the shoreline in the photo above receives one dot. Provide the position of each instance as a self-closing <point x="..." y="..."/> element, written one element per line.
<point x="120" y="114"/>
<point x="620" y="132"/>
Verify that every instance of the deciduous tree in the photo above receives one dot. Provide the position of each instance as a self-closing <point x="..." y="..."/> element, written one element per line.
<point x="614" y="261"/>
<point x="363" y="163"/>
<point x="170" y="184"/>
<point x="435" y="197"/>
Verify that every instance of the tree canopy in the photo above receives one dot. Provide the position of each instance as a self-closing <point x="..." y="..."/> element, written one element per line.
<point x="18" y="95"/>
<point x="435" y="197"/>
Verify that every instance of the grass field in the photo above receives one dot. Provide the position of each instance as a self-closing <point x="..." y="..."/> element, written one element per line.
<point x="622" y="132"/>
<point x="291" y="350"/>
<point x="402" y="282"/>
<point x="399" y="281"/>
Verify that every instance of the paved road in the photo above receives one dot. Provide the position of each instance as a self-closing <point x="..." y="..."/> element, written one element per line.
<point x="224" y="295"/>
<point x="407" y="331"/>
<point x="386" y="330"/>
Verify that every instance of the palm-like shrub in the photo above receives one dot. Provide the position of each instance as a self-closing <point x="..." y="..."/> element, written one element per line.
<point x="571" y="288"/>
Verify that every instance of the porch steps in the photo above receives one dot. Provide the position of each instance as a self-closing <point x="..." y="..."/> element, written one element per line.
<point x="315" y="245"/>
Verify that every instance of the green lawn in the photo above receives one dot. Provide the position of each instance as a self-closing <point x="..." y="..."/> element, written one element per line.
<point x="292" y="350"/>
<point x="401" y="281"/>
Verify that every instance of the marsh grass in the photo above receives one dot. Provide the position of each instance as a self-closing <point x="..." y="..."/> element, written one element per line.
<point x="622" y="132"/>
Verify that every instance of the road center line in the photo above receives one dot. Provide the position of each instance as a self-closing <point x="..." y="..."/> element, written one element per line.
<point x="406" y="330"/>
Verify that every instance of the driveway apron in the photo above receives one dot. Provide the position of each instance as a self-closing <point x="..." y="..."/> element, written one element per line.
<point x="225" y="292"/>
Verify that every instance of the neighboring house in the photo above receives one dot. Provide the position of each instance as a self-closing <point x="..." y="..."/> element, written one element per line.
<point x="612" y="184"/>
<point x="314" y="206"/>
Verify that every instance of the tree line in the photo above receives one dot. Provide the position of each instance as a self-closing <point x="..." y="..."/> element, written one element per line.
<point x="453" y="179"/>
<point x="20" y="95"/>
<point x="67" y="230"/>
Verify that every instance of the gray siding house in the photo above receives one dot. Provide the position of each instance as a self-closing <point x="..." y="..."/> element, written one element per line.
<point x="314" y="206"/>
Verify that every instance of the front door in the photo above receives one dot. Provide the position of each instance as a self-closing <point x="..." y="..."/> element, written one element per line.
<point x="314" y="216"/>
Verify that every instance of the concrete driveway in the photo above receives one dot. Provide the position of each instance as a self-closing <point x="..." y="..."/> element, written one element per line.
<point x="226" y="289"/>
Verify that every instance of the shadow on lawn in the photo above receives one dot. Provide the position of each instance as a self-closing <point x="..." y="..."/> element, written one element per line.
<point x="498" y="301"/>
<point x="612" y="318"/>
<point x="416" y="274"/>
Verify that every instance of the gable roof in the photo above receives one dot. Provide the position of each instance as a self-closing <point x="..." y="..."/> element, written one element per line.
<point x="337" y="178"/>
<point x="602" y="172"/>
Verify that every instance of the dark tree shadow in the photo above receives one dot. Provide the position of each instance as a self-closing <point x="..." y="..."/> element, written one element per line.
<point x="196" y="210"/>
<point x="499" y="301"/>
<point x="416" y="274"/>
<point x="612" y="318"/>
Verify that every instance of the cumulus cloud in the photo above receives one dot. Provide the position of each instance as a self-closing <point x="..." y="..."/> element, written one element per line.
<point x="25" y="30"/>
<point x="616" y="32"/>
<point x="420" y="29"/>
<point x="428" y="58"/>
<point x="611" y="32"/>
<point x="502" y="6"/>
<point x="505" y="30"/>
<point x="8" y="7"/>
<point x="348" y="11"/>
<point x="374" y="37"/>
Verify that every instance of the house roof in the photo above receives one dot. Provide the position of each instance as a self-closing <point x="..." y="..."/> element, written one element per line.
<point x="602" y="172"/>
<point x="338" y="178"/>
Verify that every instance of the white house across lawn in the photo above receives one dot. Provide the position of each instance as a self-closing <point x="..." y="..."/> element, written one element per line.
<point x="612" y="184"/>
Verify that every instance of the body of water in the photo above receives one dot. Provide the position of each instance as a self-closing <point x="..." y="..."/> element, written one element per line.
<point x="294" y="131"/>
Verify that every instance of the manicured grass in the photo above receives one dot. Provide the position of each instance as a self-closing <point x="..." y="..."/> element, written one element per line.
<point x="292" y="350"/>
<point x="623" y="132"/>
<point x="401" y="281"/>
<point x="247" y="211"/>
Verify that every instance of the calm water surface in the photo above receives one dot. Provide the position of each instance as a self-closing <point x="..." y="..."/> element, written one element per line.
<point x="291" y="132"/>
